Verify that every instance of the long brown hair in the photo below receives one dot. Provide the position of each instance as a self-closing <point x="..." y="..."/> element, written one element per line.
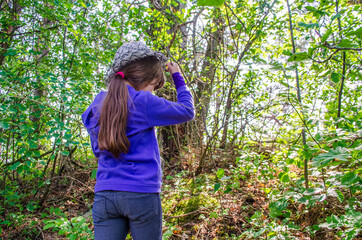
<point x="114" y="113"/>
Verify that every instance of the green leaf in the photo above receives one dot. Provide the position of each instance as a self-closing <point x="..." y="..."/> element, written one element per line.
<point x="30" y="207"/>
<point x="335" y="77"/>
<point x="4" y="125"/>
<point x="168" y="233"/>
<point x="214" y="215"/>
<point x="358" y="33"/>
<point x="210" y="3"/>
<point x="49" y="225"/>
<point x="256" y="215"/>
<point x="73" y="236"/>
<point x="285" y="178"/>
<point x="296" y="57"/>
<point x="336" y="16"/>
<point x="311" y="9"/>
<point x="65" y="153"/>
<point x="345" y="43"/>
<point x="325" y="159"/>
<point x="340" y="195"/>
<point x="326" y="35"/>
<point x="308" y="25"/>
<point x="68" y="136"/>
<point x="217" y="187"/>
<point x="349" y="178"/>
<point x="220" y="173"/>
<point x="20" y="169"/>
<point x="32" y="144"/>
<point x="62" y="231"/>
<point x="36" y="153"/>
<point x="83" y="4"/>
<point x="94" y="174"/>
<point x="14" y="166"/>
<point x="287" y="53"/>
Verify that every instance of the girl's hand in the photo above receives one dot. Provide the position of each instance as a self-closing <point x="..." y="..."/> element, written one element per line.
<point x="172" y="67"/>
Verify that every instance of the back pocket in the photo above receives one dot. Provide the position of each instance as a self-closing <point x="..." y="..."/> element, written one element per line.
<point x="99" y="212"/>
<point x="144" y="206"/>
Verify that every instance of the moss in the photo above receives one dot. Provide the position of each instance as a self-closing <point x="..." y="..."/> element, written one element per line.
<point x="194" y="203"/>
<point x="188" y="195"/>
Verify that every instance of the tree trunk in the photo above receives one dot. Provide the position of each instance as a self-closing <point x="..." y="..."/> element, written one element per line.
<point x="9" y="27"/>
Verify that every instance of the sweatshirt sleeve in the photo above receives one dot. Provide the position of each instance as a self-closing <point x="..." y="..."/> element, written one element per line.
<point x="161" y="112"/>
<point x="90" y="120"/>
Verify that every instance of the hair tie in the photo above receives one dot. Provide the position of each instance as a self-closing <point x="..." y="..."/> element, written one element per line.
<point x="120" y="73"/>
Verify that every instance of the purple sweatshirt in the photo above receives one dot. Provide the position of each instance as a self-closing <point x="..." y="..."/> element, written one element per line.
<point x="140" y="169"/>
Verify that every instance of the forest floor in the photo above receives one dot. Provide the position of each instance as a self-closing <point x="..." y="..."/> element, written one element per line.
<point x="213" y="205"/>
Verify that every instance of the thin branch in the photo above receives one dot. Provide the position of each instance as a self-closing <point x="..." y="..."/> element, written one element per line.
<point x="37" y="31"/>
<point x="343" y="69"/>
<point x="341" y="48"/>
<point x="329" y="58"/>
<point x="299" y="94"/>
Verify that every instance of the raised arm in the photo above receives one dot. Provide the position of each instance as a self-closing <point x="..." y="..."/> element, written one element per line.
<point x="161" y="112"/>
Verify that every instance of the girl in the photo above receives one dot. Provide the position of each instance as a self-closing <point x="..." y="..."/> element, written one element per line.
<point x="121" y="124"/>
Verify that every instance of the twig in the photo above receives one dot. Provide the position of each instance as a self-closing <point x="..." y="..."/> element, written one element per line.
<point x="74" y="179"/>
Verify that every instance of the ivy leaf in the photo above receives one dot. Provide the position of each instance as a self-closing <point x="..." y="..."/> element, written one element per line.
<point x="210" y="3"/>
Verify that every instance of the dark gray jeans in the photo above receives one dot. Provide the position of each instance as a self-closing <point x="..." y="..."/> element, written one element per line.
<point x="115" y="213"/>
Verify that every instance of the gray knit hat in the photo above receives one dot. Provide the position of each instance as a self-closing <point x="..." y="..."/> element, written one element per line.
<point x="130" y="52"/>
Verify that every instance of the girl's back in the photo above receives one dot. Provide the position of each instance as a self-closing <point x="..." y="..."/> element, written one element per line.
<point x="121" y="123"/>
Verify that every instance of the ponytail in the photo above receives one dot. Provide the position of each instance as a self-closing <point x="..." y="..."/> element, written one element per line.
<point x="113" y="118"/>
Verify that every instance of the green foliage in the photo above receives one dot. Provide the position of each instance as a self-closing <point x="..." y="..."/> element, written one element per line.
<point x="348" y="225"/>
<point x="239" y="61"/>
<point x="327" y="159"/>
<point x="75" y="228"/>
<point x="211" y="3"/>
